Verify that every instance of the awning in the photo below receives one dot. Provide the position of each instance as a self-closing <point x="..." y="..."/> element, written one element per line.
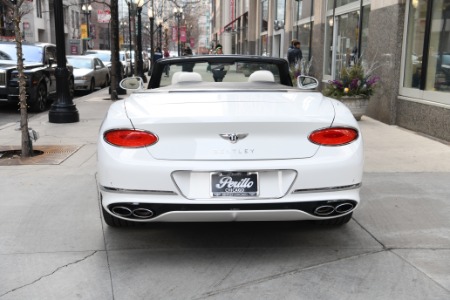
<point x="230" y="25"/>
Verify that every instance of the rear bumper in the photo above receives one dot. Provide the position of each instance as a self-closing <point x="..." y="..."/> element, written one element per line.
<point x="167" y="207"/>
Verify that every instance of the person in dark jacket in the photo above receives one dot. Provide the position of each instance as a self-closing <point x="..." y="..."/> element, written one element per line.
<point x="157" y="55"/>
<point x="219" y="71"/>
<point x="187" y="67"/>
<point x="294" y="53"/>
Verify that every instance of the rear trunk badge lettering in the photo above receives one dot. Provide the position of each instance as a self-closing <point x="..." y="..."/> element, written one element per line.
<point x="233" y="137"/>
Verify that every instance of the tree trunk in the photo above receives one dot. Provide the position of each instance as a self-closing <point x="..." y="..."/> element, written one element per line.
<point x="116" y="66"/>
<point x="27" y="147"/>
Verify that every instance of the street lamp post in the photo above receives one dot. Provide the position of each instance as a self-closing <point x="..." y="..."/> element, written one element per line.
<point x="133" y="7"/>
<point x="140" y="67"/>
<point x="86" y="9"/>
<point x="152" y="49"/>
<point x="178" y="13"/>
<point x="160" y="21"/>
<point x="63" y="110"/>
<point x="129" y="36"/>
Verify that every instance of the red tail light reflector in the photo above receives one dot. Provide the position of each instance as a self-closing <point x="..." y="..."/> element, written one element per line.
<point x="337" y="136"/>
<point x="130" y="138"/>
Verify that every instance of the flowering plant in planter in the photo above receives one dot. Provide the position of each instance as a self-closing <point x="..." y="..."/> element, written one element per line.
<point x="353" y="81"/>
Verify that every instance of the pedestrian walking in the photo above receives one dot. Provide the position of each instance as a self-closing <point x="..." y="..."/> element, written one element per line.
<point x="219" y="71"/>
<point x="294" y="54"/>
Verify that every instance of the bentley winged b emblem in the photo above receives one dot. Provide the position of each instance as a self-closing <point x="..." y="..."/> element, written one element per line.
<point x="233" y="137"/>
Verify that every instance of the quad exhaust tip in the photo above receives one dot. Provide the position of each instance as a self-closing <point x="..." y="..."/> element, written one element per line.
<point x="327" y="210"/>
<point x="139" y="213"/>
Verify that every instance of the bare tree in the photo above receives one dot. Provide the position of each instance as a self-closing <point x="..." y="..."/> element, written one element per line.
<point x="19" y="8"/>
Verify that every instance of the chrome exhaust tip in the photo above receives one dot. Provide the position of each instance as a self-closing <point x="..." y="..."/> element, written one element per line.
<point x="122" y="211"/>
<point x="324" y="210"/>
<point x="142" y="213"/>
<point x="344" y="208"/>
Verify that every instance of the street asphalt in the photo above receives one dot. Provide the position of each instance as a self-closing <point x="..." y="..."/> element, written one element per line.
<point x="54" y="244"/>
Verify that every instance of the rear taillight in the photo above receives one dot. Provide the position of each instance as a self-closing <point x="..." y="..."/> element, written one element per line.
<point x="130" y="138"/>
<point x="337" y="136"/>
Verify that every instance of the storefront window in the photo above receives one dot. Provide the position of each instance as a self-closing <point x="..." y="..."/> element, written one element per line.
<point x="438" y="69"/>
<point x="415" y="39"/>
<point x="303" y="24"/>
<point x="303" y="9"/>
<point x="436" y="38"/>
<point x="280" y="5"/>
<point x="303" y="33"/>
<point x="298" y="7"/>
<point x="264" y="15"/>
<point x="329" y="46"/>
<point x="342" y="40"/>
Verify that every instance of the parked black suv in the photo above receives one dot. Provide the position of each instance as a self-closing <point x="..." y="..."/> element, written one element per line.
<point x="39" y="68"/>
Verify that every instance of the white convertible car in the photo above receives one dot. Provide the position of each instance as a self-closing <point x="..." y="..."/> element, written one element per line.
<point x="228" y="138"/>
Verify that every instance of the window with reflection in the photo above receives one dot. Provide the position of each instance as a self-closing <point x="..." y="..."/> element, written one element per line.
<point x="303" y="25"/>
<point x="303" y="33"/>
<point x="342" y="40"/>
<point x="428" y="70"/>
<point x="264" y="15"/>
<point x="280" y="9"/>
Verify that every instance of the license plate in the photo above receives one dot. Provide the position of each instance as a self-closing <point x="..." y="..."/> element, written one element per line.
<point x="234" y="184"/>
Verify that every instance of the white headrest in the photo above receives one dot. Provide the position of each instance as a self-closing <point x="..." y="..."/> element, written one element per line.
<point x="261" y="75"/>
<point x="185" y="77"/>
<point x="175" y="77"/>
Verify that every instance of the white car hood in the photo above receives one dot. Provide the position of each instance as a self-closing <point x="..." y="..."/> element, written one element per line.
<point x="189" y="125"/>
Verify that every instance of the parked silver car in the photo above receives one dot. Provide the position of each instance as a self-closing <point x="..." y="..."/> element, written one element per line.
<point x="105" y="57"/>
<point x="89" y="72"/>
<point x="125" y="58"/>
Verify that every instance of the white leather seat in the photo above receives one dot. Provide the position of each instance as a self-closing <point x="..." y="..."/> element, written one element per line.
<point x="261" y="75"/>
<point x="186" y="77"/>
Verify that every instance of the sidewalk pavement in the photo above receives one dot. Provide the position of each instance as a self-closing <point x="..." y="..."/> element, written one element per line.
<point x="54" y="244"/>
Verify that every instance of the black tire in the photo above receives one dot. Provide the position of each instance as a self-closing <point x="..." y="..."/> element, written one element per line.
<point x="92" y="86"/>
<point x="112" y="221"/>
<point x="107" y="81"/>
<point x="336" y="221"/>
<point x="40" y="103"/>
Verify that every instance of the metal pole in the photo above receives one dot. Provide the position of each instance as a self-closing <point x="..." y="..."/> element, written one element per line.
<point x="178" y="31"/>
<point x="129" y="31"/>
<point x="63" y="110"/>
<point x="140" y="66"/>
<point x="88" y="31"/>
<point x="152" y="49"/>
<point x="160" y="36"/>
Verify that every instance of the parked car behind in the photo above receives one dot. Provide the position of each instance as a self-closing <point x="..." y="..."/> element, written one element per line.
<point x="89" y="72"/>
<point x="40" y="63"/>
<point x="145" y="61"/>
<point x="124" y="57"/>
<point x="105" y="57"/>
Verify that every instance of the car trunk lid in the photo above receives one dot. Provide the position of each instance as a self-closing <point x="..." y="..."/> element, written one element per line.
<point x="231" y="125"/>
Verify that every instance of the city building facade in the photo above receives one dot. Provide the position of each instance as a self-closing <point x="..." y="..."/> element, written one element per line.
<point x="408" y="41"/>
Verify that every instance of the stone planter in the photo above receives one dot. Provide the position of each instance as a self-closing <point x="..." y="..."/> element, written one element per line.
<point x="357" y="105"/>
